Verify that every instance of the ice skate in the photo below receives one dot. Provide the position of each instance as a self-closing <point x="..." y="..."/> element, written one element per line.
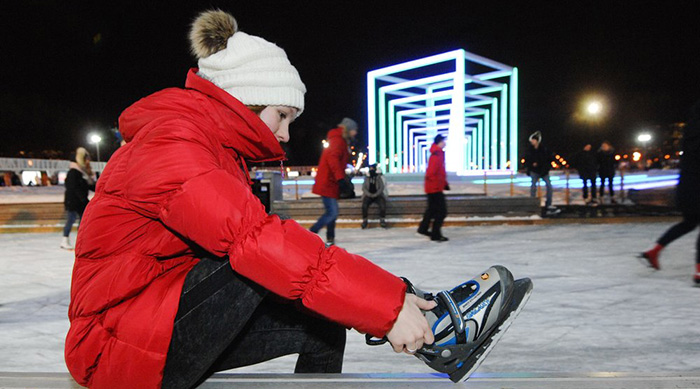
<point x="552" y="210"/>
<point x="364" y="224"/>
<point x="652" y="256"/>
<point x="382" y="223"/>
<point x="65" y="244"/>
<point x="469" y="320"/>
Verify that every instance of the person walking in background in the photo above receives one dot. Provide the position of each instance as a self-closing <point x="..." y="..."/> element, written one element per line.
<point x="435" y="184"/>
<point x="79" y="181"/>
<point x="586" y="164"/>
<point x="606" y="169"/>
<point x="538" y="160"/>
<point x="686" y="192"/>
<point x="331" y="175"/>
<point x="374" y="190"/>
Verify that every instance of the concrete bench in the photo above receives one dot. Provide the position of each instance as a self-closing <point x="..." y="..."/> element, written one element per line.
<point x="387" y="381"/>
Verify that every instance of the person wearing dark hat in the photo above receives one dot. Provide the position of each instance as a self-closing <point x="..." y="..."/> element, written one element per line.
<point x="331" y="178"/>
<point x="374" y="191"/>
<point x="538" y="161"/>
<point x="435" y="184"/>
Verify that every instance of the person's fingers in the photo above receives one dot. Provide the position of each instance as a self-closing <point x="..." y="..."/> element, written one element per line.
<point x="428" y="336"/>
<point x="425" y="304"/>
<point x="397" y="347"/>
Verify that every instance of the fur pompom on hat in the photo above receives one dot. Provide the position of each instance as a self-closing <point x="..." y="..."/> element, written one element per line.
<point x="249" y="68"/>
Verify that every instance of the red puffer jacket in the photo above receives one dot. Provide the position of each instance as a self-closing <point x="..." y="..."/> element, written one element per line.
<point x="435" y="176"/>
<point x="178" y="183"/>
<point x="331" y="167"/>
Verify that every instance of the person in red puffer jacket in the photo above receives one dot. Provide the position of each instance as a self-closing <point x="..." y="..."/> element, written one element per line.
<point x="331" y="175"/>
<point x="435" y="184"/>
<point x="179" y="272"/>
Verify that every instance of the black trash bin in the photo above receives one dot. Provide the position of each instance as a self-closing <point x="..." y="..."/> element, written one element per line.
<point x="261" y="190"/>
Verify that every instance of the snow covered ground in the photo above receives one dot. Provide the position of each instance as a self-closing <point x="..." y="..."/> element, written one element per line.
<point x="594" y="306"/>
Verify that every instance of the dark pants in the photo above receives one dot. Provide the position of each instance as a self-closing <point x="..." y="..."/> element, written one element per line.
<point x="328" y="218"/>
<point x="226" y="321"/>
<point x="585" y="187"/>
<point x="367" y="201"/>
<point x="610" y="185"/>
<point x="436" y="212"/>
<point x="71" y="217"/>
<point x="689" y="223"/>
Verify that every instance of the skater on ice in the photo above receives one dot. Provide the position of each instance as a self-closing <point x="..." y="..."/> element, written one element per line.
<point x="330" y="177"/>
<point x="179" y="272"/>
<point x="79" y="182"/>
<point x="538" y="161"/>
<point x="686" y="195"/>
<point x="435" y="185"/>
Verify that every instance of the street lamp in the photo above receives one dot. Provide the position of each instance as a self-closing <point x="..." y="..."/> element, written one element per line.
<point x="96" y="139"/>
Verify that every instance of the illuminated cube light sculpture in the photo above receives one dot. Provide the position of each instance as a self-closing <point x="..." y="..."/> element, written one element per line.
<point x="470" y="99"/>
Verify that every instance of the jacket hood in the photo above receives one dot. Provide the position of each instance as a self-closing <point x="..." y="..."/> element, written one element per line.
<point x="436" y="149"/>
<point x="236" y="126"/>
<point x="335" y="134"/>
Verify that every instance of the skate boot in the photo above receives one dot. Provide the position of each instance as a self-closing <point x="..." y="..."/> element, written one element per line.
<point x="652" y="256"/>
<point x="65" y="244"/>
<point x="469" y="320"/>
<point x="696" y="276"/>
<point x="382" y="223"/>
<point x="364" y="224"/>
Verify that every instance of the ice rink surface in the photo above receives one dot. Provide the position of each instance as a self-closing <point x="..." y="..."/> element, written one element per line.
<point x="594" y="308"/>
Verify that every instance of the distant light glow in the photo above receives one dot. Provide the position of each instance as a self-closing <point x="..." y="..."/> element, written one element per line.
<point x="94" y="138"/>
<point x="645" y="137"/>
<point x="594" y="107"/>
<point x="325" y="144"/>
<point x="636" y="156"/>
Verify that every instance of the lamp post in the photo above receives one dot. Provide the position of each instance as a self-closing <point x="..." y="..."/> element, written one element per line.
<point x="96" y="139"/>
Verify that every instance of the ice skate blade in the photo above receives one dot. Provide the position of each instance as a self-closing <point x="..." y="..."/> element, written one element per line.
<point x="521" y="285"/>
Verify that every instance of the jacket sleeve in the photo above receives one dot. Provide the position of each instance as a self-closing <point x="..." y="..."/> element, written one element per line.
<point x="216" y="210"/>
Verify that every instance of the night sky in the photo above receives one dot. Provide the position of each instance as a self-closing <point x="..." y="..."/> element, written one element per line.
<point x="69" y="67"/>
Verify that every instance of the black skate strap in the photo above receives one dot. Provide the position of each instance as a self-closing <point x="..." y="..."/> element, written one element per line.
<point x="456" y="316"/>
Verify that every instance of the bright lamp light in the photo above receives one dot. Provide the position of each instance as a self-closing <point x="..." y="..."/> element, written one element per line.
<point x="94" y="138"/>
<point x="644" y="137"/>
<point x="594" y="107"/>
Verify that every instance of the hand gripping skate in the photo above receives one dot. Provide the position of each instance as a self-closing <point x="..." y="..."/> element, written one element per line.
<point x="469" y="320"/>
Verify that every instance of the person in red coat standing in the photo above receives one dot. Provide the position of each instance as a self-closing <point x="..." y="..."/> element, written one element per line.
<point x="180" y="272"/>
<point x="330" y="176"/>
<point x="435" y="184"/>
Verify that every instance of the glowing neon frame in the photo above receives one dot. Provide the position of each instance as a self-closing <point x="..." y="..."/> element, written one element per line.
<point x="471" y="99"/>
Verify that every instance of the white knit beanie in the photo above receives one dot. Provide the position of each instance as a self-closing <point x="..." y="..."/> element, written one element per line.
<point x="249" y="68"/>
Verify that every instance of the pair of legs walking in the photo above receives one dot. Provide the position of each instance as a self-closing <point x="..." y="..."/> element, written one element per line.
<point x="689" y="223"/>
<point x="226" y="321"/>
<point x="435" y="213"/>
<point x="71" y="218"/>
<point x="327" y="219"/>
<point x="548" y="183"/>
